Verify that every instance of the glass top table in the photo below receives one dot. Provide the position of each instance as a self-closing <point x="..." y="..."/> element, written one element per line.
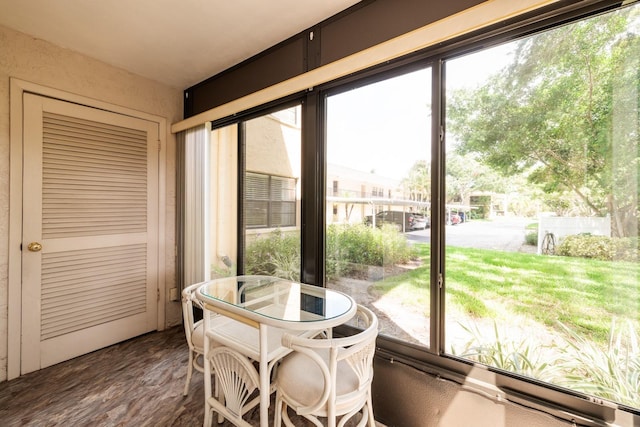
<point x="277" y="301"/>
<point x="254" y="312"/>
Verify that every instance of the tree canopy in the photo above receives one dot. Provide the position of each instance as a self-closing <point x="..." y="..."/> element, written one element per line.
<point x="418" y="181"/>
<point x="565" y="114"/>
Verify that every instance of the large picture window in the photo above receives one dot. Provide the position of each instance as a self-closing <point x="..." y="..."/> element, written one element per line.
<point x="379" y="149"/>
<point x="539" y="207"/>
<point x="542" y="147"/>
<point x="483" y="202"/>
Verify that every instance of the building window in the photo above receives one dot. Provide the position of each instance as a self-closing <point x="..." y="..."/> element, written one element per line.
<point x="270" y="201"/>
<point x="270" y="166"/>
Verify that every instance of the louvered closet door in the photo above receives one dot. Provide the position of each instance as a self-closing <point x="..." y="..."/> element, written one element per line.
<point x="90" y="200"/>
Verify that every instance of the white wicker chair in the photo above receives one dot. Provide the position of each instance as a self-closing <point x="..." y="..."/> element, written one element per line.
<point x="194" y="332"/>
<point x="328" y="378"/>
<point x="236" y="382"/>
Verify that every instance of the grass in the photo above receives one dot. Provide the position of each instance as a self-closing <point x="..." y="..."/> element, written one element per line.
<point x="411" y="288"/>
<point x="584" y="295"/>
<point x="591" y="306"/>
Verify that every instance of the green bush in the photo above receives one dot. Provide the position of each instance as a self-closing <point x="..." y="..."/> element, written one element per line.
<point x="276" y="254"/>
<point x="350" y="247"/>
<point x="521" y="356"/>
<point x="612" y="372"/>
<point x="599" y="247"/>
<point x="531" y="238"/>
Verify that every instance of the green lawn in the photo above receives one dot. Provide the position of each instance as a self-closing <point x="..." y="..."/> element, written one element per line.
<point x="585" y="295"/>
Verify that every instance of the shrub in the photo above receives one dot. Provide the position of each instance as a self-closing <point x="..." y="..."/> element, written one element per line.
<point x="394" y="247"/>
<point x="531" y="238"/>
<point x="277" y="254"/>
<point x="521" y="356"/>
<point x="351" y="246"/>
<point x="599" y="247"/>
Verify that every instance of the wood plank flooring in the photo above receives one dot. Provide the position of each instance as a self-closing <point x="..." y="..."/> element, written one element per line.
<point x="138" y="382"/>
<point x="135" y="383"/>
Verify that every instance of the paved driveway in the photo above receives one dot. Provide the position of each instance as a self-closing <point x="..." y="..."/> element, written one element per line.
<point x="501" y="233"/>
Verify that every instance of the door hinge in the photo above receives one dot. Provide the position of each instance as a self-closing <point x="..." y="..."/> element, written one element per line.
<point x="158" y="294"/>
<point x="159" y="145"/>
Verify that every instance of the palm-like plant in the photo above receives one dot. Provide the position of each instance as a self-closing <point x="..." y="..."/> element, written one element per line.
<point x="518" y="356"/>
<point x="611" y="373"/>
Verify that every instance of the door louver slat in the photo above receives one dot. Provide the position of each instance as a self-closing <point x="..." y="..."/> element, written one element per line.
<point x="91" y="169"/>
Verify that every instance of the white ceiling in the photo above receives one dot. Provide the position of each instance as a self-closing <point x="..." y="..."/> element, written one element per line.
<point x="176" y="42"/>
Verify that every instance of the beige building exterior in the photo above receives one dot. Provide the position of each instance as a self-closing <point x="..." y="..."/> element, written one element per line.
<point x="273" y="144"/>
<point x="352" y="195"/>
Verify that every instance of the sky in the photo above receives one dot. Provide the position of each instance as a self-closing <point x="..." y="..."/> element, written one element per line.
<point x="385" y="127"/>
<point x="381" y="127"/>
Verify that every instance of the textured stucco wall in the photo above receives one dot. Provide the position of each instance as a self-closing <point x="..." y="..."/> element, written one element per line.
<point x="39" y="62"/>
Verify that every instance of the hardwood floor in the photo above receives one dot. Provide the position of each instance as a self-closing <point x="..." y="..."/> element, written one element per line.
<point x="135" y="383"/>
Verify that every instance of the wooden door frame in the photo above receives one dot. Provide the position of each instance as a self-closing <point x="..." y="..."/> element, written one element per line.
<point x="14" y="301"/>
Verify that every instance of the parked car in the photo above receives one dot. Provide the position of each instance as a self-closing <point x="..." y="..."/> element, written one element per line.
<point x="420" y="222"/>
<point x="453" y="219"/>
<point x="397" y="218"/>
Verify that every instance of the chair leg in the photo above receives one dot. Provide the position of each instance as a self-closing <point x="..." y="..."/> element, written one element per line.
<point x="372" y="421"/>
<point x="207" y="416"/>
<point x="189" y="374"/>
<point x="277" y="411"/>
<point x="208" y="409"/>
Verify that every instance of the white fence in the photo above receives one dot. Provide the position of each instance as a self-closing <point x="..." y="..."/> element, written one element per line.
<point x="562" y="226"/>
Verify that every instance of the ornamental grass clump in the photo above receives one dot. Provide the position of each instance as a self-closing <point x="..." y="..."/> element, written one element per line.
<point x="611" y="373"/>
<point x="276" y="254"/>
<point x="351" y="248"/>
<point x="520" y="356"/>
<point x="572" y="361"/>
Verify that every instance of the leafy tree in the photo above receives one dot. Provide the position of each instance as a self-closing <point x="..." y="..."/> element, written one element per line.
<point x="465" y="174"/>
<point x="565" y="114"/>
<point x="418" y="181"/>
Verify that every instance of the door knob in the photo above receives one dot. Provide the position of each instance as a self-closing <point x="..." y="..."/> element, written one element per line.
<point x="34" y="247"/>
